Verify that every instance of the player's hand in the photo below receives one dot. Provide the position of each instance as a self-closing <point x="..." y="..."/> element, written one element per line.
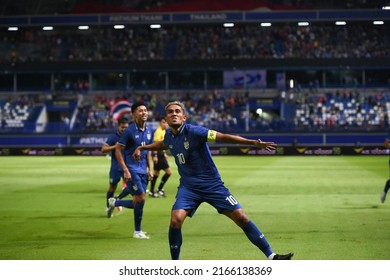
<point x="137" y="154"/>
<point x="126" y="175"/>
<point x="269" y="146"/>
<point x="387" y="143"/>
<point x="150" y="175"/>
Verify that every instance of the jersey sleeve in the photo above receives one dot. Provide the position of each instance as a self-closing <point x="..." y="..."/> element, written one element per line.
<point x="111" y="140"/>
<point x="124" y="137"/>
<point x="205" y="134"/>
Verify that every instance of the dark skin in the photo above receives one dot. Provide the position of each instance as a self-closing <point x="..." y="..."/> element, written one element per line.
<point x="175" y="118"/>
<point x="387" y="143"/>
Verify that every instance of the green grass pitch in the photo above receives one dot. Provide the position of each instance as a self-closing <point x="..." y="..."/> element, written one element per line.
<point x="319" y="207"/>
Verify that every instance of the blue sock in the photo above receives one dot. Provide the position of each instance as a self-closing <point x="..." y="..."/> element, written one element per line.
<point x="175" y="241"/>
<point x="257" y="238"/>
<point x="138" y="212"/>
<point x="124" y="203"/>
<point x="109" y="195"/>
<point x="124" y="192"/>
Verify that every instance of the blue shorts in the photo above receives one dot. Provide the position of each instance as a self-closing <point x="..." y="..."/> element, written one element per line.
<point x="115" y="176"/>
<point x="138" y="183"/>
<point x="218" y="196"/>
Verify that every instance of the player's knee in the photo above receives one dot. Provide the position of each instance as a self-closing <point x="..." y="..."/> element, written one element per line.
<point x="139" y="198"/>
<point x="176" y="222"/>
<point x="240" y="218"/>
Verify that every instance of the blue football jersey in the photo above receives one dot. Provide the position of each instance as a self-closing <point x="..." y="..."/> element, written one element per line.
<point x="131" y="138"/>
<point x="192" y="156"/>
<point x="112" y="140"/>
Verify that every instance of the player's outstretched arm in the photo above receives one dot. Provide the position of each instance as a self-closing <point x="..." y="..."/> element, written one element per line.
<point x="155" y="146"/>
<point x="387" y="143"/>
<point x="235" y="139"/>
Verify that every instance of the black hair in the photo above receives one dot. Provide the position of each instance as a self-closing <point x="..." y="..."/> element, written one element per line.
<point x="123" y="120"/>
<point x="136" y="105"/>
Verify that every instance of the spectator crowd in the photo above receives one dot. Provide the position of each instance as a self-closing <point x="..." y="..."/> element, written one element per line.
<point x="188" y="42"/>
<point x="347" y="110"/>
<point x="215" y="109"/>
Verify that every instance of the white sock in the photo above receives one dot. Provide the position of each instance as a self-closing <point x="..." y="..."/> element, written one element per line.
<point x="271" y="257"/>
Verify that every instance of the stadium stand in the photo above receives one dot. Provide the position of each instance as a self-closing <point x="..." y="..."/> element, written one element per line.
<point x="75" y="99"/>
<point x="329" y="112"/>
<point x="195" y="42"/>
<point x="15" y="113"/>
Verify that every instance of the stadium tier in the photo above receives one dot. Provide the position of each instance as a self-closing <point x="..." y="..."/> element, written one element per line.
<point x="253" y="67"/>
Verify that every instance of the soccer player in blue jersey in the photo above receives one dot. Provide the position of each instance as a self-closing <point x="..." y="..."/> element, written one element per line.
<point x="387" y="185"/>
<point x="200" y="180"/>
<point x="135" y="172"/>
<point x="116" y="172"/>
